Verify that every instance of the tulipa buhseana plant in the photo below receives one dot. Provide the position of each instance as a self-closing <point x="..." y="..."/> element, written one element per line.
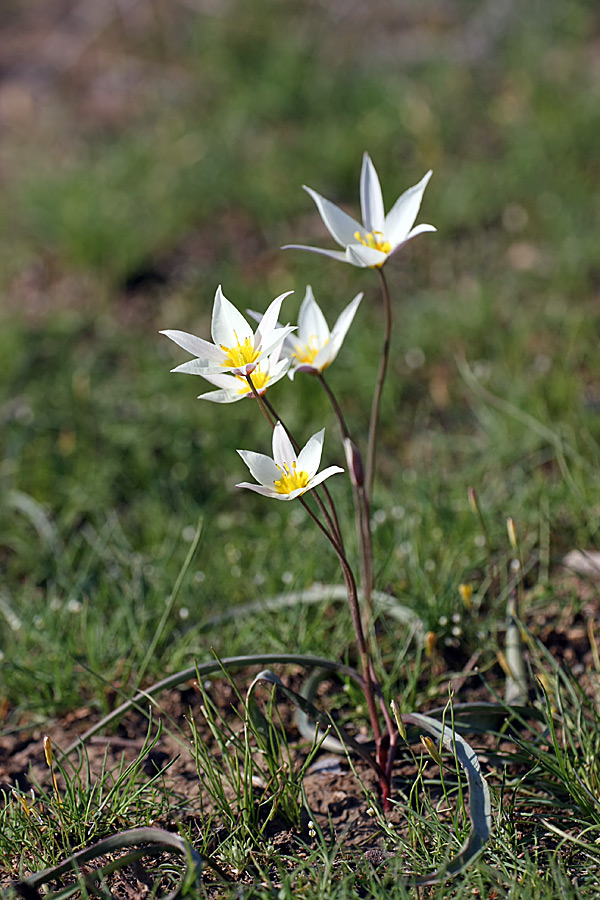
<point x="243" y="363"/>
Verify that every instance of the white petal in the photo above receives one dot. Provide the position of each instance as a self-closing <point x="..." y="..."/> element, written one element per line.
<point x="310" y="456"/>
<point x="402" y="215"/>
<point x="228" y="328"/>
<point x="371" y="199"/>
<point x="202" y="367"/>
<point x="223" y="396"/>
<point x="227" y="382"/>
<point x="339" y="224"/>
<point x="311" y="321"/>
<point x="283" y="451"/>
<point x="297" y="493"/>
<point x="418" y="229"/>
<point x="274" y="340"/>
<point x="334" y="254"/>
<point x="195" y="345"/>
<point x="325" y="356"/>
<point x="340" y="329"/>
<point x="269" y="321"/>
<point x="331" y="470"/>
<point x="278" y="370"/>
<point x="362" y="256"/>
<point x="261" y="467"/>
<point x="265" y="491"/>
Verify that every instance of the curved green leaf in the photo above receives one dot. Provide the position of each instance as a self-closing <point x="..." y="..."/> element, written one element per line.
<point x="156" y="841"/>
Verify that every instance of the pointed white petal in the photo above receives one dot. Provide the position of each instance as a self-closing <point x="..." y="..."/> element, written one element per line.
<point x="223" y="396"/>
<point x="311" y="321"/>
<point x="269" y="321"/>
<point x="228" y="327"/>
<point x="262" y="489"/>
<point x="310" y="456"/>
<point x="261" y="467"/>
<point x="340" y="329"/>
<point x="274" y="340"/>
<point x="278" y="370"/>
<point x="371" y="199"/>
<point x="418" y="229"/>
<point x="202" y="367"/>
<point x="283" y="451"/>
<point x="255" y="315"/>
<point x="402" y="215"/>
<point x="331" y="470"/>
<point x="195" y="345"/>
<point x="334" y="254"/>
<point x="339" y="224"/>
<point x="362" y="256"/>
<point x="227" y="382"/>
<point x="287" y="346"/>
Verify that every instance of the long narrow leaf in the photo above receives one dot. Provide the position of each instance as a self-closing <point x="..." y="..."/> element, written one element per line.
<point x="479" y="797"/>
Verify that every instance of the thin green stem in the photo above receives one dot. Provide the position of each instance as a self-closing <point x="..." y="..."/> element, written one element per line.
<point x="363" y="518"/>
<point x="370" y="681"/>
<point x="371" y="684"/>
<point x="260" y="402"/>
<point x="383" y="363"/>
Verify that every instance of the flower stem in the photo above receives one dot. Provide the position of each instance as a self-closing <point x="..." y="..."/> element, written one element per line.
<point x="260" y="402"/>
<point x="363" y="518"/>
<point x="371" y="684"/>
<point x="385" y="352"/>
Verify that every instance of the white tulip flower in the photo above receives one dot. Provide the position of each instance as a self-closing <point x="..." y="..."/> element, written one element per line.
<point x="380" y="236"/>
<point x="314" y="347"/>
<point x="236" y="387"/>
<point x="236" y="348"/>
<point x="286" y="476"/>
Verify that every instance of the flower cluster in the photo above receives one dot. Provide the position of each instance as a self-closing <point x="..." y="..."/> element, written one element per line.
<point x="244" y="363"/>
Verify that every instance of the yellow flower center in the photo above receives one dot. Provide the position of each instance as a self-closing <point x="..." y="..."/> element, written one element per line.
<point x="373" y="239"/>
<point x="240" y="355"/>
<point x="290" y="479"/>
<point x="260" y="381"/>
<point x="306" y="353"/>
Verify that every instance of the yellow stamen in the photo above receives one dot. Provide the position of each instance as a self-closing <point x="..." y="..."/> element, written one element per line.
<point x="306" y="353"/>
<point x="260" y="380"/>
<point x="291" y="479"/>
<point x="373" y="239"/>
<point x="240" y="355"/>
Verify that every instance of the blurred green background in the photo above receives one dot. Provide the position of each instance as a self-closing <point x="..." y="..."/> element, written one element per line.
<point x="151" y="150"/>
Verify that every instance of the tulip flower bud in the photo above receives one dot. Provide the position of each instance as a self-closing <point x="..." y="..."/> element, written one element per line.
<point x="430" y="642"/>
<point x="48" y="750"/>
<point x="466" y="592"/>
<point x="512" y="533"/>
<point x="432" y="749"/>
<point x="355" y="463"/>
<point x="398" y="718"/>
